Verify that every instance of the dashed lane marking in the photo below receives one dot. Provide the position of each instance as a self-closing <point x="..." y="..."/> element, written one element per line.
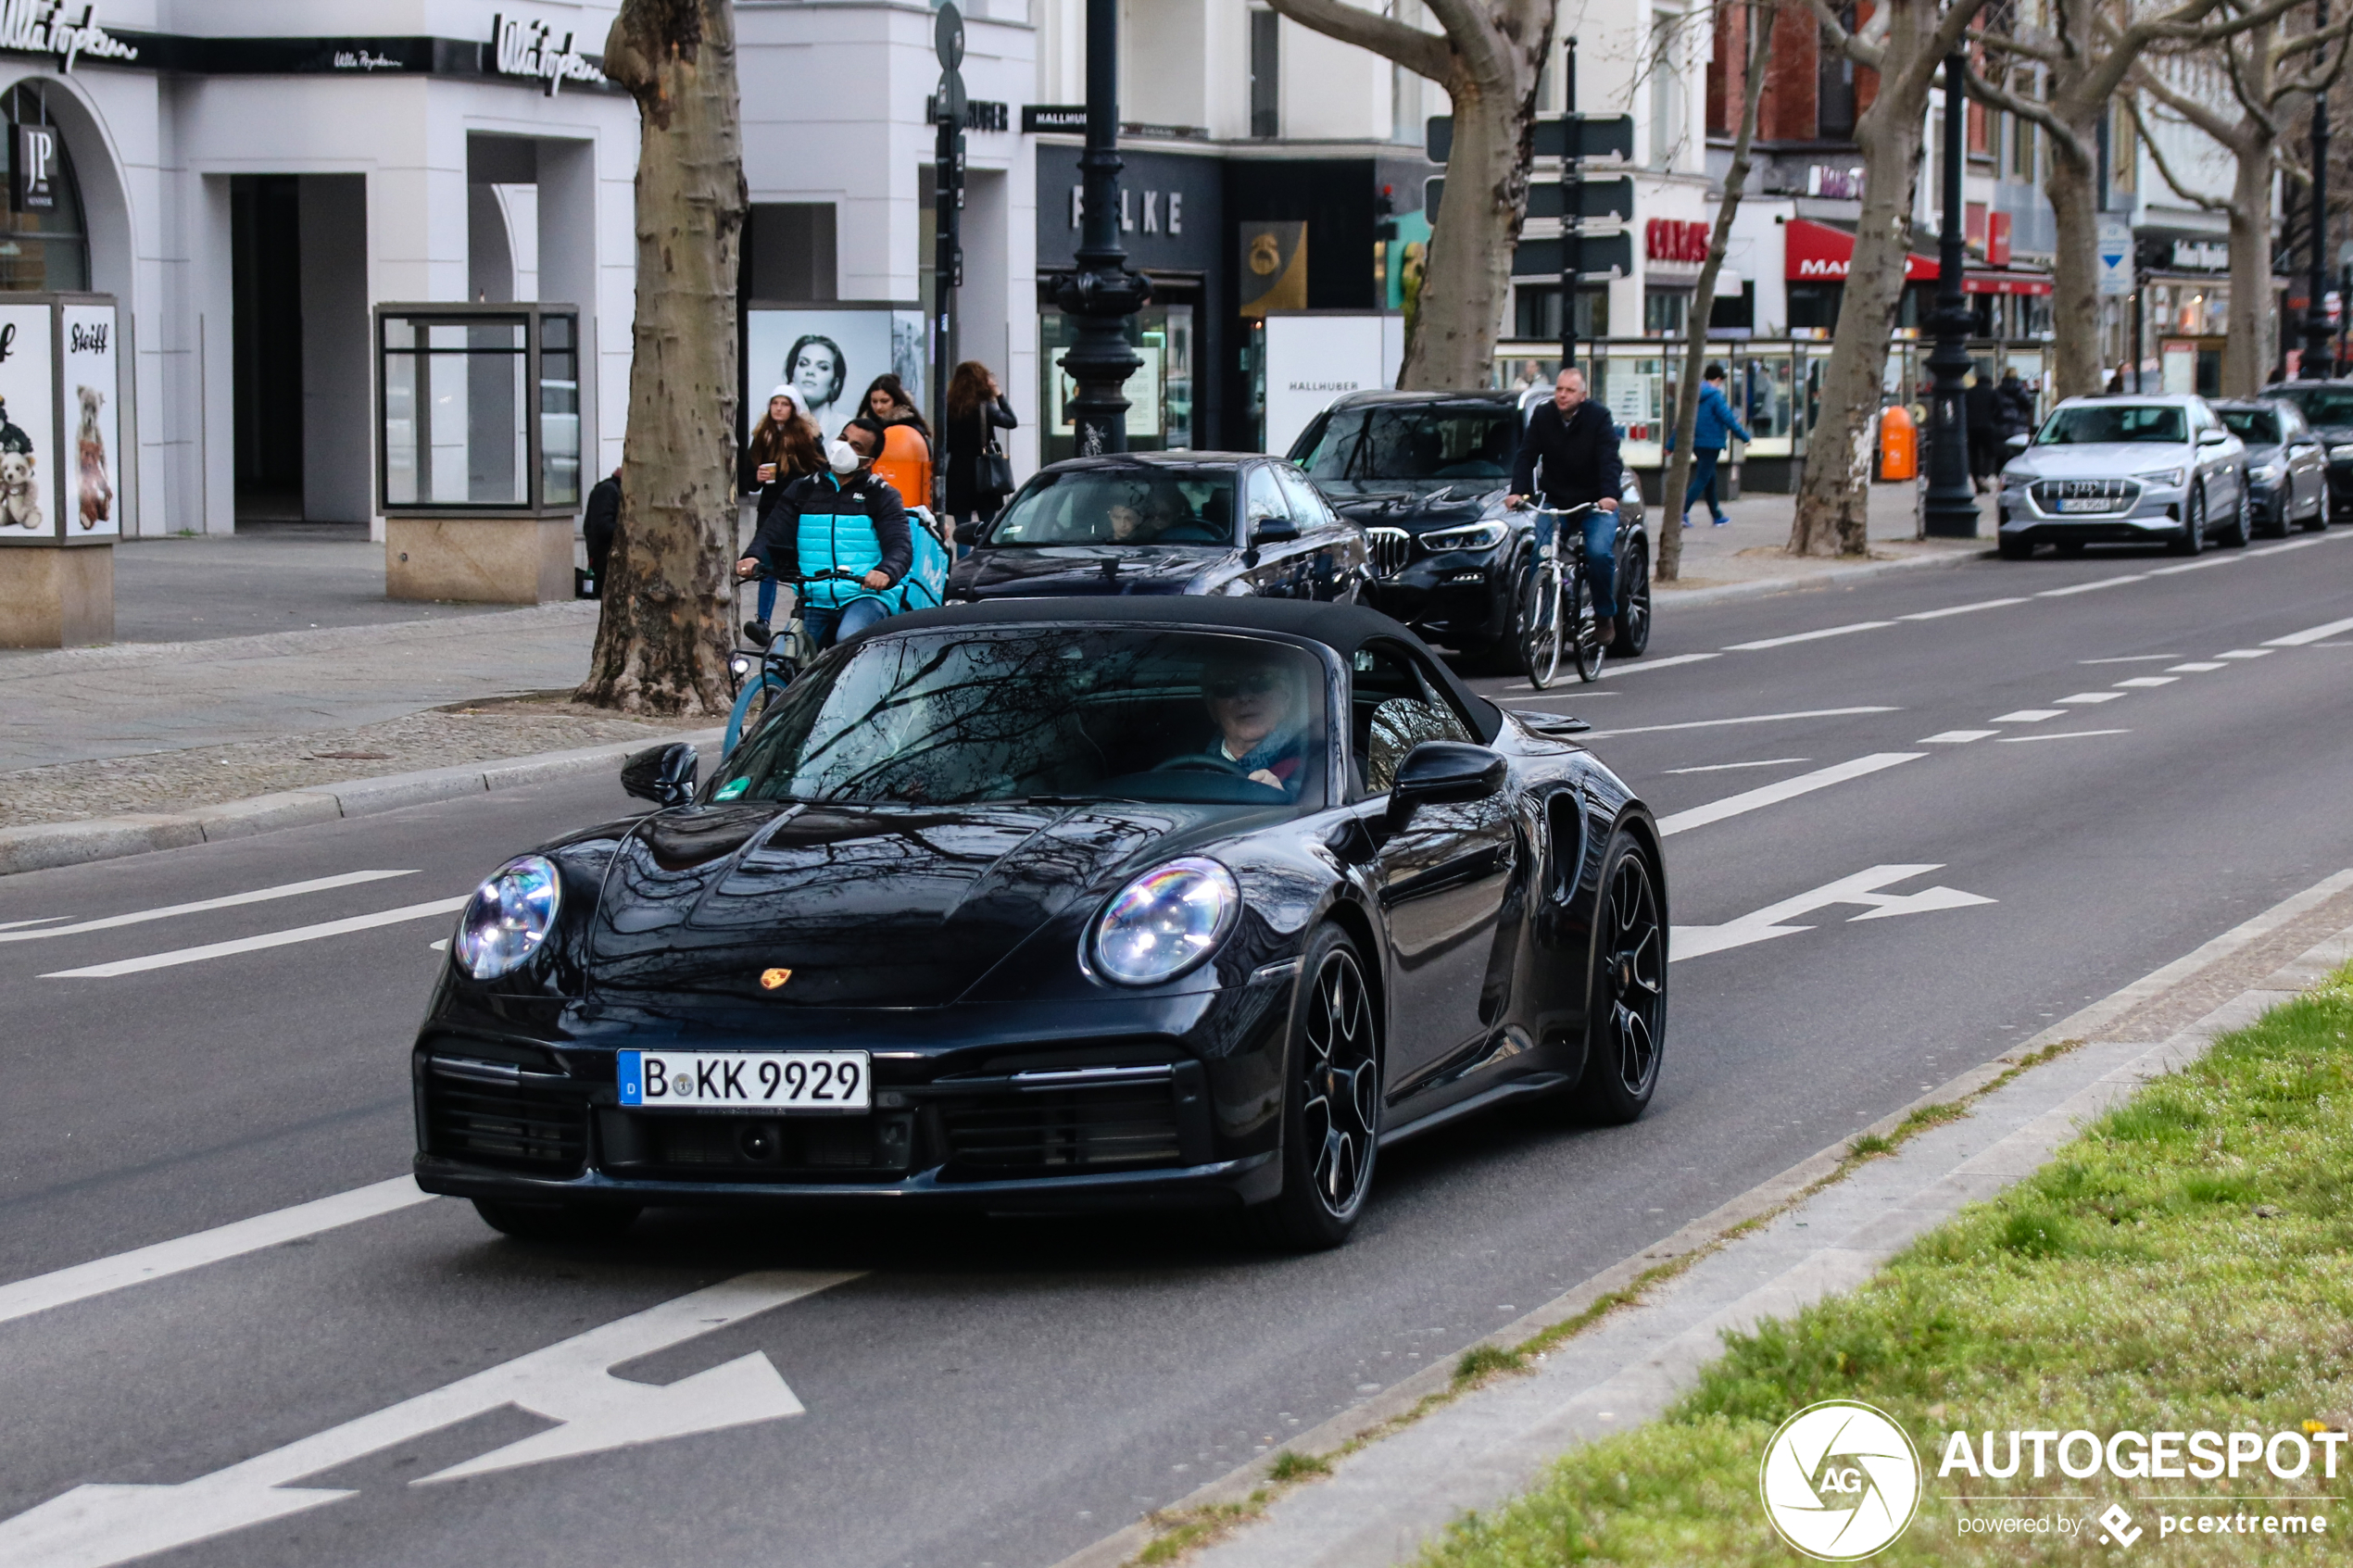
<point x="1727" y="766"/>
<point x="1955" y="737"/>
<point x="2092" y="587"/>
<point x="227" y="901"/>
<point x="2090" y="696"/>
<point x="2131" y="658"/>
<point x="1817" y="636"/>
<point x="2316" y="633"/>
<point x="1958" y="609"/>
<point x="266" y="939"/>
<point x="2060" y="735"/>
<point x="1773" y="794"/>
<point x="2246" y="653"/>
<point x="1747" y="719"/>
<point x="2029" y="715"/>
<point x="2150" y="681"/>
<point x="2196" y="667"/>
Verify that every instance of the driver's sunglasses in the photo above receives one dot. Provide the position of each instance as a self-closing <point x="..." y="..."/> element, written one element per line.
<point x="1228" y="687"/>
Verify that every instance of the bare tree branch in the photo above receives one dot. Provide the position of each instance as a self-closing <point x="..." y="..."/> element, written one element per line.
<point x="1424" y="54"/>
<point x="2208" y="204"/>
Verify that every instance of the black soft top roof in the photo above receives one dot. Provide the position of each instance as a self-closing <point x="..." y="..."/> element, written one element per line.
<point x="1341" y="628"/>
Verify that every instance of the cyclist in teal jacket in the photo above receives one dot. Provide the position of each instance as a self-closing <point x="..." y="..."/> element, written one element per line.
<point x="847" y="522"/>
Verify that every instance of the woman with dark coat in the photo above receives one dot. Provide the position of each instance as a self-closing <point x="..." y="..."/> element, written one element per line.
<point x="784" y="447"/>
<point x="976" y="410"/>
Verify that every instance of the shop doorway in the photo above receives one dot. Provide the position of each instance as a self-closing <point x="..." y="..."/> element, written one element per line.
<point x="265" y="250"/>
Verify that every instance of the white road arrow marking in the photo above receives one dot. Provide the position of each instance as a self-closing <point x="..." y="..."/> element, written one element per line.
<point x="1863" y="888"/>
<point x="95" y="1527"/>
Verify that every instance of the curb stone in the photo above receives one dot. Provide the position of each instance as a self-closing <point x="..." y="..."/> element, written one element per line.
<point x="1836" y="577"/>
<point x="1827" y="1270"/>
<point x="47" y="845"/>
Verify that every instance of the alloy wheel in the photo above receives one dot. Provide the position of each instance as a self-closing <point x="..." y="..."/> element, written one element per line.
<point x="1633" y="978"/>
<point x="1341" y="1085"/>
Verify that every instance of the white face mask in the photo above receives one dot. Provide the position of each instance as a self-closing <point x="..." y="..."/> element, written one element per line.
<point x="841" y="456"/>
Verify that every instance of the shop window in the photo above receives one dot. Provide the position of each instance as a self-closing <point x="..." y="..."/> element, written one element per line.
<point x="1813" y="305"/>
<point x="1734" y="312"/>
<point x="1265" y="74"/>
<point x="1160" y="393"/>
<point x="1536" y="311"/>
<point x="41" y="247"/>
<point x="1834" y="86"/>
<point x="1664" y="311"/>
<point x="789" y="252"/>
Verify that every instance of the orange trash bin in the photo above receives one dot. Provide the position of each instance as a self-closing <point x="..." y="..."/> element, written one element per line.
<point x="1899" y="444"/>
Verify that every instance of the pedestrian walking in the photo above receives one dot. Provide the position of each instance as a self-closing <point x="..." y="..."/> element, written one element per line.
<point x="1715" y="425"/>
<point x="905" y="461"/>
<point x="598" y="523"/>
<point x="785" y="447"/>
<point x="1984" y="410"/>
<point x="2017" y="405"/>
<point x="979" y="477"/>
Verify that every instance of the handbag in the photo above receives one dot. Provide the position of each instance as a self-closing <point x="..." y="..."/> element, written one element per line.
<point x="993" y="471"/>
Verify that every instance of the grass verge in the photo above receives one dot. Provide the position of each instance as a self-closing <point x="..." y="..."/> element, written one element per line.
<point x="2186" y="1263"/>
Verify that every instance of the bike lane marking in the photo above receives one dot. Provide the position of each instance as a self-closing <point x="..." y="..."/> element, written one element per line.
<point x="265" y="940"/>
<point x="1787" y="789"/>
<point x="227" y="901"/>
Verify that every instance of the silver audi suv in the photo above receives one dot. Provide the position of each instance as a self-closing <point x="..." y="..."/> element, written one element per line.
<point x="2141" y="469"/>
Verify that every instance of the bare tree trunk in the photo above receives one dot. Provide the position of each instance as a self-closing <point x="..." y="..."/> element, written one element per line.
<point x="663" y="639"/>
<point x="1488" y="60"/>
<point x="2251" y="348"/>
<point x="2075" y="270"/>
<point x="1834" y="495"/>
<point x="1467" y="279"/>
<point x="1679" y="467"/>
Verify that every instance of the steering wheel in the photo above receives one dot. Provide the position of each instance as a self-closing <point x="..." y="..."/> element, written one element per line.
<point x="1201" y="762"/>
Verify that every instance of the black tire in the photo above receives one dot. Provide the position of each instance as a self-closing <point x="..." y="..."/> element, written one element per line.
<point x="1626" y="1001"/>
<point x="1580" y="638"/>
<point x="2193" y="537"/>
<point x="1331" y="1101"/>
<point x="2275" y="523"/>
<point x="558" y="1222"/>
<point x="2319" y="521"/>
<point x="2242" y="523"/>
<point x="2013" y="549"/>
<point x="1633" y="604"/>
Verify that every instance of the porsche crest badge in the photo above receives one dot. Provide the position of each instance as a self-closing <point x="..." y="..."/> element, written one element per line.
<point x="771" y="979"/>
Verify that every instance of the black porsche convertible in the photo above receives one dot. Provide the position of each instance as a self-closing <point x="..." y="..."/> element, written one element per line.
<point x="1030" y="906"/>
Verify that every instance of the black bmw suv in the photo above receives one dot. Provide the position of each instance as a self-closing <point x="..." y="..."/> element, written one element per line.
<point x="1426" y="474"/>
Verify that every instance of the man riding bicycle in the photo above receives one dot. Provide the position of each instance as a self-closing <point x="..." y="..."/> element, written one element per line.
<point x="843" y="536"/>
<point x="1577" y="443"/>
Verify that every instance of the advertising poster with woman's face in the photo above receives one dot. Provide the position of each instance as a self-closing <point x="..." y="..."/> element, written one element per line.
<point x="29" y="482"/>
<point x="830" y="356"/>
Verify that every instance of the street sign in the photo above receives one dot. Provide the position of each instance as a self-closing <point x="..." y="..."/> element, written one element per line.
<point x="1598" y="257"/>
<point x="1595" y="198"/>
<point x="947" y="37"/>
<point x="2114" y="246"/>
<point x="1572" y="135"/>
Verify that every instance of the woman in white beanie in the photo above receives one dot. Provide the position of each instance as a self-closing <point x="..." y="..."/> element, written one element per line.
<point x="785" y="446"/>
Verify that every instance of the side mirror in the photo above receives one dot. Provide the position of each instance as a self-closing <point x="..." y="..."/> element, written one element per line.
<point x="1441" y="772"/>
<point x="2211" y="438"/>
<point x="2019" y="442"/>
<point x="663" y="774"/>
<point x="1272" y="529"/>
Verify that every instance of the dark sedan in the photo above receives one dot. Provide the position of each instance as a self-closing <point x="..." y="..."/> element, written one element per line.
<point x="2327" y="407"/>
<point x="2287" y="468"/>
<point x="1165" y="522"/>
<point x="1055" y="904"/>
<point x="1426" y="472"/>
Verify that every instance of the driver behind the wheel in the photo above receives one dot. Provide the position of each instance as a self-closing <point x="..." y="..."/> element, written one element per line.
<point x="1258" y="713"/>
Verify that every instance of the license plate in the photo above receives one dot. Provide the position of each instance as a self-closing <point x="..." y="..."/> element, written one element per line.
<point x="2087" y="504"/>
<point x="781" y="1081"/>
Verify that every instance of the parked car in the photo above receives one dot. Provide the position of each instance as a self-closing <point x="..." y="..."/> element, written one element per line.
<point x="2287" y="467"/>
<point x="2154" y="470"/>
<point x="1426" y="474"/>
<point x="1049" y="905"/>
<point x="2327" y="407"/>
<point x="1165" y="522"/>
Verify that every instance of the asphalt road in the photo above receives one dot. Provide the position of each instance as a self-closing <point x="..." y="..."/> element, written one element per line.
<point x="1006" y="1392"/>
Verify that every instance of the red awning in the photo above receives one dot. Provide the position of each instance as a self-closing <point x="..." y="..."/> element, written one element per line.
<point x="1816" y="253"/>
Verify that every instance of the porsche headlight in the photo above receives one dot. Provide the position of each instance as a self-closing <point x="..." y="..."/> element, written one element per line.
<point x="508" y="918"/>
<point x="1165" y="922"/>
<point x="1478" y="536"/>
<point x="2166" y="477"/>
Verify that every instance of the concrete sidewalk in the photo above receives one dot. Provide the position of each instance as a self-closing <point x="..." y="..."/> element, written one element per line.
<point x="1746" y="555"/>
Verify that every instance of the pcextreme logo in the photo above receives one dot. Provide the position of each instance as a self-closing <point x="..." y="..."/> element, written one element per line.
<point x="1840" y="1480"/>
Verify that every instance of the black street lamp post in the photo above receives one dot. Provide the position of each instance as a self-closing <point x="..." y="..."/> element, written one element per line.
<point x="1102" y="295"/>
<point x="2316" y="364"/>
<point x="1951" y="509"/>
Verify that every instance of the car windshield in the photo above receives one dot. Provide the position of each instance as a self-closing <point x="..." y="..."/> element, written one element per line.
<point x="2322" y="405"/>
<point x="1175" y="506"/>
<point x="1059" y="713"/>
<point x="1469" y="443"/>
<point x="2092" y="423"/>
<point x="2257" y="427"/>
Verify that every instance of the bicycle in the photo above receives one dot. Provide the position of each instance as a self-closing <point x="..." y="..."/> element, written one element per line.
<point x="1557" y="599"/>
<point x="781" y="655"/>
